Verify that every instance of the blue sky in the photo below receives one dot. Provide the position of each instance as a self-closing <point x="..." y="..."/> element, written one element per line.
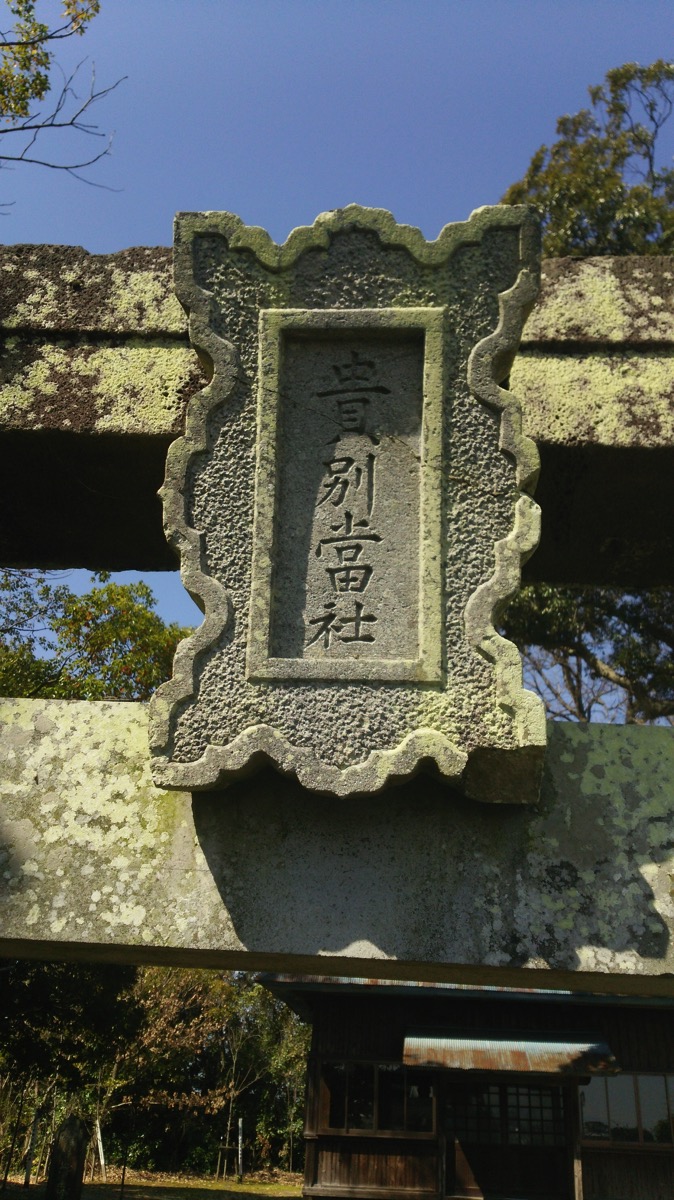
<point x="280" y="109"/>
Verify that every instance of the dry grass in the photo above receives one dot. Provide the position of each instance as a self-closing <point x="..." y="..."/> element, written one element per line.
<point x="144" y="1185"/>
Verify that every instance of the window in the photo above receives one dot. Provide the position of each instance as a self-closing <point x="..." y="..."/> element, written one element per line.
<point x="376" y="1097"/>
<point x="535" y="1116"/>
<point x="506" y="1114"/>
<point x="630" y="1109"/>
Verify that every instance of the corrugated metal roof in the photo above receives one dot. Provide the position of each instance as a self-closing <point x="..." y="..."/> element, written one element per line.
<point x="560" y="1054"/>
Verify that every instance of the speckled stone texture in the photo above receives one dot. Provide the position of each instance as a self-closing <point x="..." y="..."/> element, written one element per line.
<point x="419" y="883"/>
<point x="95" y="359"/>
<point x="351" y="506"/>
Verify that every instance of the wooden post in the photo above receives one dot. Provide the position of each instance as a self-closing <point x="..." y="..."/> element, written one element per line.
<point x="126" y="1156"/>
<point x="576" y="1133"/>
<point x="101" y="1156"/>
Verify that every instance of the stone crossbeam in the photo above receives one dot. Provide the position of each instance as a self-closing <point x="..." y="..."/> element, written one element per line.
<point x="418" y="883"/>
<point x="96" y="372"/>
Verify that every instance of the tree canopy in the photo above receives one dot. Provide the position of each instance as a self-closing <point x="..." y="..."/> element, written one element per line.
<point x="597" y="653"/>
<point x="63" y="1021"/>
<point x="32" y="112"/>
<point x="166" y="1059"/>
<point x="601" y="653"/>
<point x="108" y="643"/>
<point x="600" y="188"/>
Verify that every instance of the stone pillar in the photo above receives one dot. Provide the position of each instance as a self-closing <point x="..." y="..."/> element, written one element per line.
<point x="66" y="1166"/>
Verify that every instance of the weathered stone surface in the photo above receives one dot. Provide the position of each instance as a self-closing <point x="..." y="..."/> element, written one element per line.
<point x="96" y="373"/>
<point x="64" y="289"/>
<point x="600" y="323"/>
<point x="621" y="400"/>
<point x="349" y="623"/>
<point x="595" y="302"/>
<point x="590" y="301"/>
<point x="92" y="343"/>
<point x="131" y="386"/>
<point x="419" y="883"/>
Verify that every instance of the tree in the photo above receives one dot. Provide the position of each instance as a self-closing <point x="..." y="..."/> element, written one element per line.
<point x="62" y="1030"/>
<point x="212" y="1046"/>
<point x="167" y="1059"/>
<point x="27" y="66"/>
<point x="280" y="1107"/>
<point x="599" y="188"/>
<point x="108" y="643"/>
<point x="597" y="653"/>
<point x="64" y="1020"/>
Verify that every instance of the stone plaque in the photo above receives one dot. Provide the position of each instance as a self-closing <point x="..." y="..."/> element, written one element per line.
<point x="351" y="506"/>
<point x="349" y="429"/>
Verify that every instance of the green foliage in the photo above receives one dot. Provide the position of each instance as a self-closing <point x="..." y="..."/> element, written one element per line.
<point x="27" y="63"/>
<point x="214" y="1046"/>
<point x="598" y="653"/>
<point x="279" y="1110"/>
<point x="26" y="56"/>
<point x="113" y="644"/>
<point x="61" y="1020"/>
<point x="108" y="643"/>
<point x="168" y="1059"/>
<point x="599" y="188"/>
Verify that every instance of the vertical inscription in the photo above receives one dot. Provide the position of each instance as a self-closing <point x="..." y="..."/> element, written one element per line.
<point x="347" y="496"/>
<point x="345" y="577"/>
<point x="347" y="566"/>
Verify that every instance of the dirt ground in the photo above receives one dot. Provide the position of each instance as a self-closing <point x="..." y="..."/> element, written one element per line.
<point x="144" y="1185"/>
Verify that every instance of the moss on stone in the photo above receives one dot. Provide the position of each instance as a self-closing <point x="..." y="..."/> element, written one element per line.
<point x="142" y="299"/>
<point x="66" y="289"/>
<point x="592" y="296"/>
<point x="133" y="388"/>
<point x="604" y="300"/>
<point x="38" y="306"/>
<point x="613" y="400"/>
<point x="94" y="811"/>
<point x="92" y="853"/>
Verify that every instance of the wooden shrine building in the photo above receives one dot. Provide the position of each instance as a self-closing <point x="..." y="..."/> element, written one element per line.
<point x="435" y="1090"/>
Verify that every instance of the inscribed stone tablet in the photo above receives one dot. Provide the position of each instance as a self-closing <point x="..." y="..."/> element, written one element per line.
<point x="350" y="504"/>
<point x="348" y="477"/>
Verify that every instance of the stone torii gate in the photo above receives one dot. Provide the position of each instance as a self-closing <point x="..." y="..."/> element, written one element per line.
<point x="368" y="368"/>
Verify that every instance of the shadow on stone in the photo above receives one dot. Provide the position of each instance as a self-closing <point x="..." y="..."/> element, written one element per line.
<point x="419" y="873"/>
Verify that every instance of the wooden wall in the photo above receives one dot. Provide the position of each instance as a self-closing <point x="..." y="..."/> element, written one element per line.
<point x="611" y="1175"/>
<point x="367" y="1164"/>
<point x="372" y="1027"/>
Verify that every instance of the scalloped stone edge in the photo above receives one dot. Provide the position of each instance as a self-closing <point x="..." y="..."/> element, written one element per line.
<point x="488" y="365"/>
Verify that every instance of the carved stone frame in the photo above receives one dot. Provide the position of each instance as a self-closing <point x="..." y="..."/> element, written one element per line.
<point x="488" y="773"/>
<point x="427" y="667"/>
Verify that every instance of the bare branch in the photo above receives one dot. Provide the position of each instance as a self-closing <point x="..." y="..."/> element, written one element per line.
<point x="36" y="125"/>
<point x="53" y="35"/>
<point x="37" y="122"/>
